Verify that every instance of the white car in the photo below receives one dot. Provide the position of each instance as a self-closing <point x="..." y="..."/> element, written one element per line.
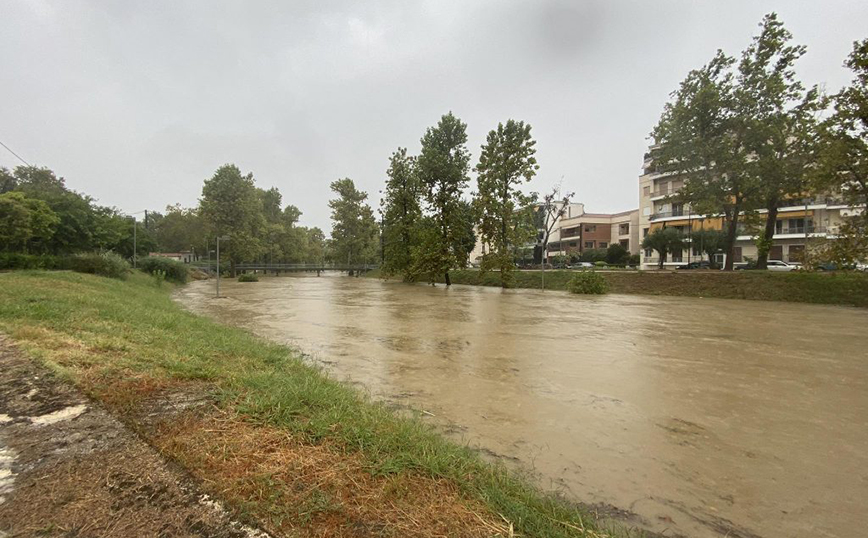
<point x="583" y="265"/>
<point x="777" y="265"/>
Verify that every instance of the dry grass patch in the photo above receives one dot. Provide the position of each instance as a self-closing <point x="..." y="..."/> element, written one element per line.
<point x="302" y="489"/>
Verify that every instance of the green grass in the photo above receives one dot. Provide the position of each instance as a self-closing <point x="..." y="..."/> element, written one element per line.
<point x="88" y="326"/>
<point x="840" y="288"/>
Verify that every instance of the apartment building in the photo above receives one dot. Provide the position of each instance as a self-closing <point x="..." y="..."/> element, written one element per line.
<point x="597" y="230"/>
<point x="577" y="231"/>
<point x="799" y="222"/>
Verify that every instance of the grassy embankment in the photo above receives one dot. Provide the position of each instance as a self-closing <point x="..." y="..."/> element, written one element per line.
<point x="283" y="445"/>
<point x="826" y="288"/>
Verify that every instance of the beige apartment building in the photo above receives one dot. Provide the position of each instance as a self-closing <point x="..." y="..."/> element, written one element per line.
<point x="595" y="231"/>
<point x="577" y="231"/>
<point x="799" y="223"/>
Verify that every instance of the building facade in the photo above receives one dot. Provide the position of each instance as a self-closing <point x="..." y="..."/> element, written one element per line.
<point x="799" y="222"/>
<point x="597" y="231"/>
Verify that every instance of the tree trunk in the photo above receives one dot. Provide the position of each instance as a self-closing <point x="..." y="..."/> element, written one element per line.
<point x="662" y="259"/>
<point x="768" y="235"/>
<point x="447" y="279"/>
<point x="730" y="240"/>
<point x="232" y="272"/>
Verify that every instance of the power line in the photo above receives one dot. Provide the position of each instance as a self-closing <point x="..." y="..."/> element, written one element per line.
<point x="13" y="153"/>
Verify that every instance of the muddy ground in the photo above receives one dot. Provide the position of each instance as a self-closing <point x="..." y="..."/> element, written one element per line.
<point x="68" y="468"/>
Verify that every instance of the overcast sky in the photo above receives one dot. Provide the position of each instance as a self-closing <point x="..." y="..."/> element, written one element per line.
<point x="136" y="103"/>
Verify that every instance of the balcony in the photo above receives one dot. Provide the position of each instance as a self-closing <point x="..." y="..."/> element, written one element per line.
<point x="664" y="214"/>
<point x="799" y="230"/>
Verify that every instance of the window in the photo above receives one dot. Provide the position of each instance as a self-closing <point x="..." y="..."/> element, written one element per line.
<point x="590" y="227"/>
<point x="645" y="232"/>
<point x="677" y="210"/>
<point x="589" y="244"/>
<point x="573" y="244"/>
<point x="736" y="255"/>
<point x="649" y="252"/>
<point x="646" y="191"/>
<point x="677" y="255"/>
<point x="625" y="243"/>
<point x="603" y="244"/>
<point x="624" y="229"/>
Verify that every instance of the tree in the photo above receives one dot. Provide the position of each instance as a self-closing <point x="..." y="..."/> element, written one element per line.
<point x="506" y="162"/>
<point x="442" y="166"/>
<point x="401" y="211"/>
<point x="708" y="242"/>
<point x="617" y="254"/>
<point x="180" y="229"/>
<point x="843" y="163"/>
<point x="24" y="222"/>
<point x="231" y="206"/>
<point x="778" y="118"/>
<point x="354" y="229"/>
<point x="701" y="139"/>
<point x="664" y="241"/>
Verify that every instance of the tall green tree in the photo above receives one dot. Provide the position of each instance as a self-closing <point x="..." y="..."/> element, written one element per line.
<point x="507" y="161"/>
<point x="401" y="211"/>
<point x="778" y="117"/>
<point x="354" y="228"/>
<point x="26" y="224"/>
<point x="664" y="241"/>
<point x="701" y="138"/>
<point x="443" y="165"/>
<point x="844" y="158"/>
<point x="232" y="206"/>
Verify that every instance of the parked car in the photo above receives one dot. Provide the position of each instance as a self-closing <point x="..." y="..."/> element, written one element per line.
<point x="778" y="265"/>
<point x="696" y="265"/>
<point x="583" y="265"/>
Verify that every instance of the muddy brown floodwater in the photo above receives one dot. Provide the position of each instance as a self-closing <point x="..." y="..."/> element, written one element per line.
<point x="702" y="417"/>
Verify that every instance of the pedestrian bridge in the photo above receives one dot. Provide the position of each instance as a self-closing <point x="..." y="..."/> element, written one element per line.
<point x="303" y="267"/>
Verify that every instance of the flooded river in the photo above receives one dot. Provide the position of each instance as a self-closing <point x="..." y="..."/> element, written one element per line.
<point x="702" y="417"/>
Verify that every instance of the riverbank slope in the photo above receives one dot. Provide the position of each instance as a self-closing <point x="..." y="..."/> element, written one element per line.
<point x="276" y="440"/>
<point x="839" y="288"/>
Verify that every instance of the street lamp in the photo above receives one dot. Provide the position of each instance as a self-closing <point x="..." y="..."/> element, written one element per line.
<point x="224" y="238"/>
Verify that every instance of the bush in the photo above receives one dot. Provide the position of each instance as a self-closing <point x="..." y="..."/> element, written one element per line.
<point x="633" y="260"/>
<point x="594" y="255"/>
<point x="106" y="264"/>
<point x="600" y="264"/>
<point x="616" y="254"/>
<point x="248" y="278"/>
<point x="173" y="269"/>
<point x="16" y="260"/>
<point x="588" y="283"/>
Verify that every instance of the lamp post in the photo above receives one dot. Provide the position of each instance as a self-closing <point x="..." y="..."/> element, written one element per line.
<point x="225" y="237"/>
<point x="135" y="253"/>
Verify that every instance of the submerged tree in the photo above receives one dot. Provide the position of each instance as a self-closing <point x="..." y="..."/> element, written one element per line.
<point x="506" y="162"/>
<point x="442" y="166"/>
<point x="401" y="212"/>
<point x="354" y="229"/>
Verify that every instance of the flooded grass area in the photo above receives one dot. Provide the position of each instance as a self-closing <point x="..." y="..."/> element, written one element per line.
<point x="841" y="288"/>
<point x="272" y="422"/>
<point x="704" y="417"/>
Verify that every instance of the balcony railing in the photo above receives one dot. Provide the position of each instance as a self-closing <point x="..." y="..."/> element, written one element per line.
<point x="799" y="230"/>
<point x="664" y="214"/>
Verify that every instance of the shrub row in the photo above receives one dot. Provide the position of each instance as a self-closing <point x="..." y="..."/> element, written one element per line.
<point x="172" y="269"/>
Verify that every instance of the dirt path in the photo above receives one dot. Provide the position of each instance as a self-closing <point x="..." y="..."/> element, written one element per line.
<point x="68" y="468"/>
